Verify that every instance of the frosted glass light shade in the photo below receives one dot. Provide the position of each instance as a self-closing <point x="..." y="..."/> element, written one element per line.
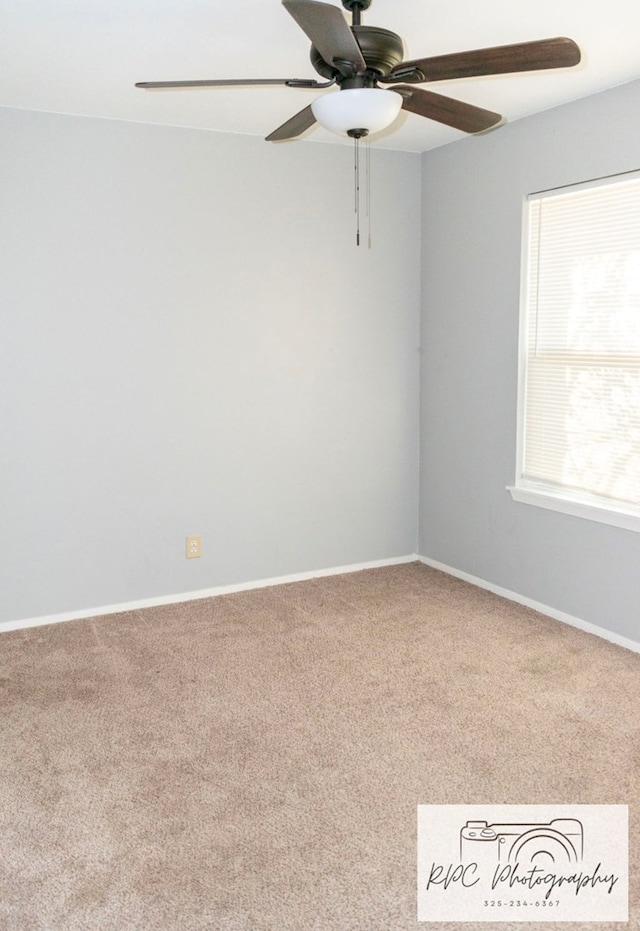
<point x="366" y="108"/>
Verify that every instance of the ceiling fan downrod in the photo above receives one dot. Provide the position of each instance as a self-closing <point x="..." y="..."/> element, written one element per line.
<point x="356" y="7"/>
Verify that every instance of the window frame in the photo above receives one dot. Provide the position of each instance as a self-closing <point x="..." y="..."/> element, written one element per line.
<point x="525" y="491"/>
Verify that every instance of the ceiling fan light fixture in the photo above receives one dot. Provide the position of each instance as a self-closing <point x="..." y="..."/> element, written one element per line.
<point x="358" y="109"/>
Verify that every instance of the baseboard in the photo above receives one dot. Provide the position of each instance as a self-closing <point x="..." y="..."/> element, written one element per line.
<point x="202" y="593"/>
<point x="536" y="605"/>
<point x="320" y="573"/>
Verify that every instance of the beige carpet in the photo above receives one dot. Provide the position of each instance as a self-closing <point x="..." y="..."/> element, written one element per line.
<point x="253" y="762"/>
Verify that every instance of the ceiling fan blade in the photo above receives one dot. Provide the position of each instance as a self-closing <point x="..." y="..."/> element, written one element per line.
<point x="232" y="82"/>
<point x="329" y="32"/>
<point x="501" y="59"/>
<point x="293" y="127"/>
<point x="456" y="113"/>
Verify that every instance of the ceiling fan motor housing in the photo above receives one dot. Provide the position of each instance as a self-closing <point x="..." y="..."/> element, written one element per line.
<point x="381" y="49"/>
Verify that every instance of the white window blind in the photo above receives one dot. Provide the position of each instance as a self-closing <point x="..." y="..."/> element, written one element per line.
<point x="580" y="403"/>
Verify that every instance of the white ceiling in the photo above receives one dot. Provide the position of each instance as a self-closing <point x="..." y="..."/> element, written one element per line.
<point x="84" y="56"/>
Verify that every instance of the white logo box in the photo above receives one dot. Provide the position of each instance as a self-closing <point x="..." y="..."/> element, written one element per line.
<point x="523" y="863"/>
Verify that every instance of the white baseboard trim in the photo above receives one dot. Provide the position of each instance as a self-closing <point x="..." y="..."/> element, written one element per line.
<point x="202" y="593"/>
<point x="536" y="605"/>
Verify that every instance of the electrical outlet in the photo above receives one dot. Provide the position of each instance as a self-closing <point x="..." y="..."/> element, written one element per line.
<point x="194" y="547"/>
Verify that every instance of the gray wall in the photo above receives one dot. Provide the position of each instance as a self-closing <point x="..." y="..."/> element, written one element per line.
<point x="473" y="193"/>
<point x="192" y="343"/>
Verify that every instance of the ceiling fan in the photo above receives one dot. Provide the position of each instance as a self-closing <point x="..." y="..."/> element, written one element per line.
<point x="358" y="59"/>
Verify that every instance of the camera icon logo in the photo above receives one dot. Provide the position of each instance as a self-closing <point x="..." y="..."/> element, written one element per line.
<point x="559" y="841"/>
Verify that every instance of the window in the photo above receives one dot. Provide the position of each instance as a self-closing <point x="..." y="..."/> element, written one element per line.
<point x="579" y="393"/>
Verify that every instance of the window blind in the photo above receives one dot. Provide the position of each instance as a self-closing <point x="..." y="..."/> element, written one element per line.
<point x="581" y="414"/>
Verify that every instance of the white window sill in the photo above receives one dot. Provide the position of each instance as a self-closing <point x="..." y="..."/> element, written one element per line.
<point x="545" y="498"/>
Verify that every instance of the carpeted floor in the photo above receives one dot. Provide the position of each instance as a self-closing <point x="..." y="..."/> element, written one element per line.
<point x="253" y="762"/>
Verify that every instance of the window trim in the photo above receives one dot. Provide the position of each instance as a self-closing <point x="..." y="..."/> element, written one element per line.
<point x="523" y="491"/>
<point x="551" y="500"/>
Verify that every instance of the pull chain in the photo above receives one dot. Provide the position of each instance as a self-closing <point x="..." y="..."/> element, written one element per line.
<point x="368" y="164"/>
<point x="356" y="169"/>
<point x="356" y="187"/>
